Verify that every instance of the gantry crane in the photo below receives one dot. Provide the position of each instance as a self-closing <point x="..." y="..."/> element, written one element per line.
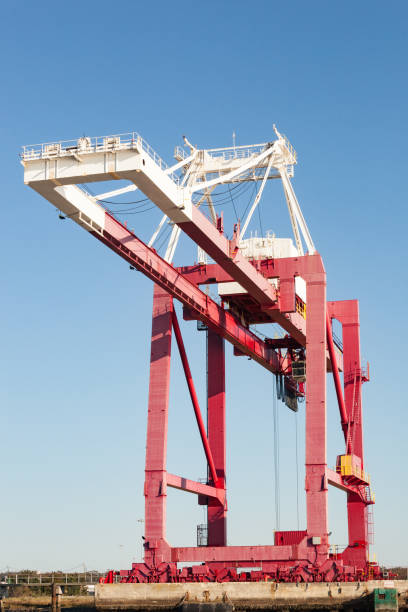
<point x="259" y="280"/>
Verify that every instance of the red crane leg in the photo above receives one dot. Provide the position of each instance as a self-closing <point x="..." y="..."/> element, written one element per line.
<point x="336" y="376"/>
<point x="352" y="372"/>
<point x="216" y="427"/>
<point x="347" y="313"/>
<point x="156" y="546"/>
<point x="194" y="400"/>
<point x="316" y="480"/>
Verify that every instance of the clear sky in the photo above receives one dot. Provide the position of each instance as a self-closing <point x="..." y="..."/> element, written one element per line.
<point x="76" y="320"/>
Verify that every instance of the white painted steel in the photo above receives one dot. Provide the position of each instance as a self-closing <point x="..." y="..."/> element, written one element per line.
<point x="115" y="192"/>
<point x="234" y="288"/>
<point x="269" y="247"/>
<point x="89" y="214"/>
<point x="291" y="197"/>
<point x="300" y="288"/>
<point x="257" y="199"/>
<point x="157" y="231"/>
<point x="129" y="157"/>
<point x="171" y="248"/>
<point x="233" y="173"/>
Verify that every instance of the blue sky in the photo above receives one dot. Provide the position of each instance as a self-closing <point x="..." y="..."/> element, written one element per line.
<point x="76" y="320"/>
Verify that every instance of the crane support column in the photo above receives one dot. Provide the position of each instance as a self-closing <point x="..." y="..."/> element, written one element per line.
<point x="156" y="546"/>
<point x="346" y="312"/>
<point x="316" y="478"/>
<point x="216" y="514"/>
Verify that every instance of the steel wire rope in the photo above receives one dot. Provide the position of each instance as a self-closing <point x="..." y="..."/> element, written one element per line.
<point x="259" y="217"/>
<point x="133" y="212"/>
<point x="233" y="205"/>
<point x="144" y="200"/>
<point x="123" y="203"/>
<point x="239" y="183"/>
<point x="165" y="235"/>
<point x="245" y="187"/>
<point x="297" y="467"/>
<point x="276" y="454"/>
<point x="215" y="195"/>
<point x="249" y="201"/>
<point x="241" y="188"/>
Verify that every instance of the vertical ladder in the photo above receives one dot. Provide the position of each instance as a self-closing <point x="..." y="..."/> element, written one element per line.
<point x="370" y="525"/>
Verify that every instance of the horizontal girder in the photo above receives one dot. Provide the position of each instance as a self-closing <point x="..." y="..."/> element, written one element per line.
<point x="292" y="322"/>
<point x="93" y="217"/>
<point x="198" y="488"/>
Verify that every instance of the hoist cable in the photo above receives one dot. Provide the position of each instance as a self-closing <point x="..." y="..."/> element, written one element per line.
<point x="124" y="203"/>
<point x="249" y="201"/>
<point x="132" y="212"/>
<point x="166" y="234"/>
<point x="276" y="455"/>
<point x="259" y="217"/>
<point x="240" y="189"/>
<point x="297" y="468"/>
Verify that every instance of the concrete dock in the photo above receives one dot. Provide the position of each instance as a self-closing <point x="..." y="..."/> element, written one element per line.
<point x="242" y="596"/>
<point x="378" y="595"/>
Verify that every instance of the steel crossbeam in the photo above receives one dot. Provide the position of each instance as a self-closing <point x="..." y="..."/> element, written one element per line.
<point x="93" y="217"/>
<point x="191" y="486"/>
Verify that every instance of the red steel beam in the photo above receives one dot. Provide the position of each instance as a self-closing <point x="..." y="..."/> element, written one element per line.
<point x="194" y="400"/>
<point x="123" y="242"/>
<point x="206" y="274"/>
<point x="225" y="252"/>
<point x="191" y="486"/>
<point x="216" y="431"/>
<point x="336" y="376"/>
<point x="336" y="480"/>
<point x="291" y="321"/>
<point x="232" y="554"/>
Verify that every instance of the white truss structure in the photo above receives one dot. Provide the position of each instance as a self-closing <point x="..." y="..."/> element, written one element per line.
<point x="57" y="169"/>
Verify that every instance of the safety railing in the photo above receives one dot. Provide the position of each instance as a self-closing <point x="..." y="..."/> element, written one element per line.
<point x="95" y="144"/>
<point x="337" y="549"/>
<point x="238" y="152"/>
<point x="180" y="153"/>
<point x="40" y="579"/>
<point x="362" y="373"/>
<point x="300" y="307"/>
<point x="290" y="149"/>
<point x="347" y="467"/>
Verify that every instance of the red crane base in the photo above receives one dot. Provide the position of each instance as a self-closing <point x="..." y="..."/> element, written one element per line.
<point x="332" y="570"/>
<point x="296" y="556"/>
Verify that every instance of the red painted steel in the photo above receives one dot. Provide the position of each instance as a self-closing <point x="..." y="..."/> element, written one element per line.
<point x="226" y="253"/>
<point x="309" y="559"/>
<point x="293" y="323"/>
<point x="285" y="538"/>
<point x="346" y="312"/>
<point x="184" y="484"/>
<point x="194" y="400"/>
<point x="316" y="482"/>
<point x="216" y="426"/>
<point x="157" y="418"/>
<point x="339" y="482"/>
<point x="123" y="242"/>
<point x="296" y="555"/>
<point x="336" y="376"/>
